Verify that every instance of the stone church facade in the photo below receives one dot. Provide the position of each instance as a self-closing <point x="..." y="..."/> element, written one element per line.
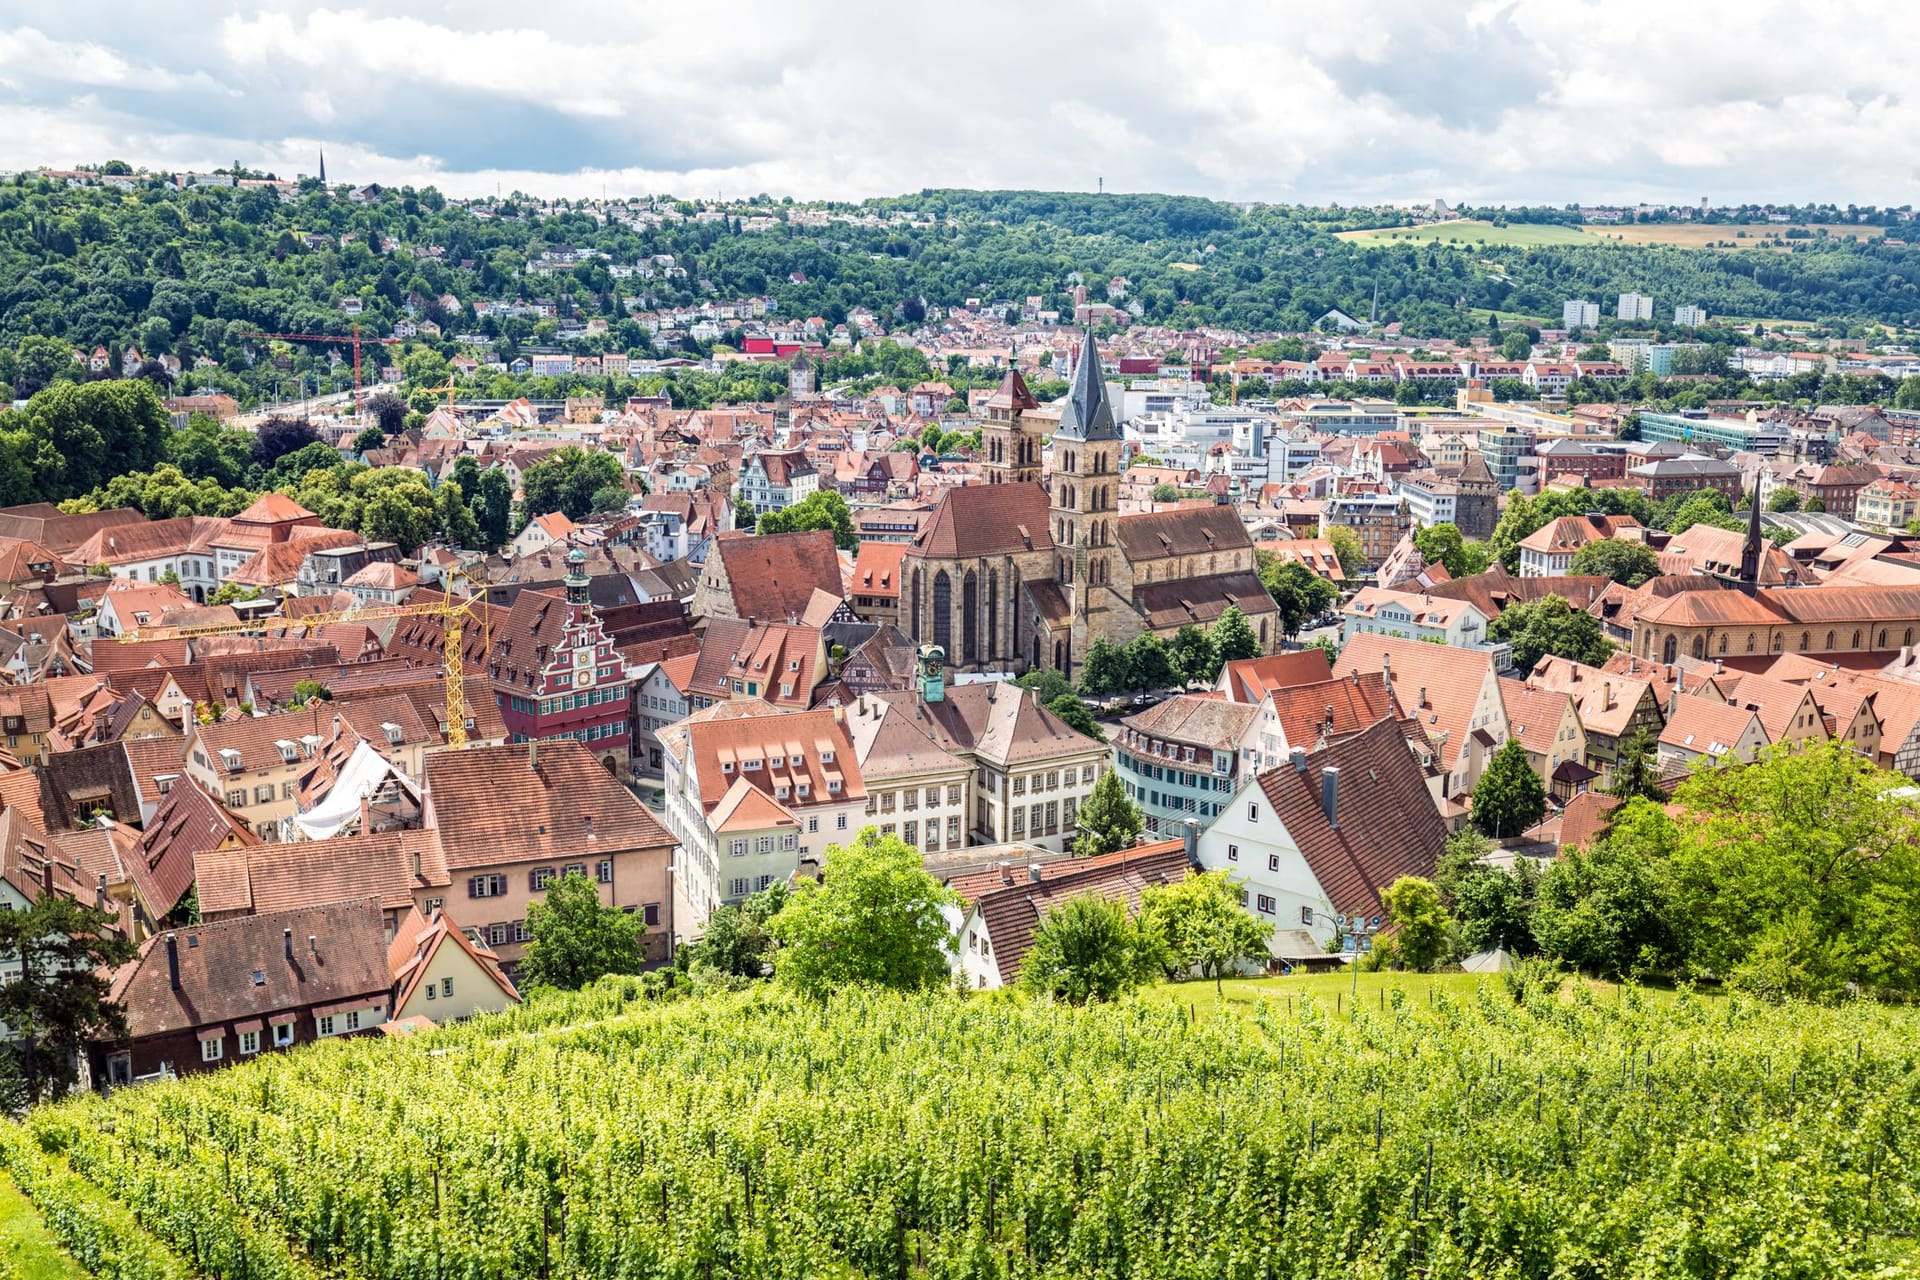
<point x="1013" y="575"/>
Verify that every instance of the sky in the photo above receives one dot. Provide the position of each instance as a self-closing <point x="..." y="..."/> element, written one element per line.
<point x="1363" y="101"/>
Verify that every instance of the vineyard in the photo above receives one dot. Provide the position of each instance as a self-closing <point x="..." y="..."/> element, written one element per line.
<point x="1569" y="1135"/>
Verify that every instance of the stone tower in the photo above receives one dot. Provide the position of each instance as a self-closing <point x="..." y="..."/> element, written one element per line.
<point x="1083" y="504"/>
<point x="1012" y="453"/>
<point x="800" y="377"/>
<point x="1476" y="505"/>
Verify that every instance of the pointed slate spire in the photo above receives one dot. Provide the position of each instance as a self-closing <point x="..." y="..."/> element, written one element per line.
<point x="1750" y="550"/>
<point x="1088" y="415"/>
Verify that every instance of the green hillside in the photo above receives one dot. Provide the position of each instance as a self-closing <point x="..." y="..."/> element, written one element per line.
<point x="763" y="1135"/>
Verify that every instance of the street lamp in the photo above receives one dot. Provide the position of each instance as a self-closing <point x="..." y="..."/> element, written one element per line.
<point x="1356" y="930"/>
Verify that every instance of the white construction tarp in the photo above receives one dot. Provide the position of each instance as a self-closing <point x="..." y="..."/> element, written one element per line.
<point x="365" y="774"/>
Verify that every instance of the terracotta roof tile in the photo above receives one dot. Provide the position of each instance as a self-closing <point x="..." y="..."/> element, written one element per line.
<point x="986" y="520"/>
<point x="489" y="799"/>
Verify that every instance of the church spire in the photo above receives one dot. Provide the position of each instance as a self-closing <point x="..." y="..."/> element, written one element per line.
<point x="323" y="166"/>
<point x="1088" y="415"/>
<point x="1750" y="550"/>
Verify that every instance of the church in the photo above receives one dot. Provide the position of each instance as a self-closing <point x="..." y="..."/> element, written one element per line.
<point x="1013" y="575"/>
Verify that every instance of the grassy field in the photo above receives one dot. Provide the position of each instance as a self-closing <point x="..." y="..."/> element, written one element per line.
<point x="1684" y="235"/>
<point x="27" y="1251"/>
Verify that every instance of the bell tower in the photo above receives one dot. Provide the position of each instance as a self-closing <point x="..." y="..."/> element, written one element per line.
<point x="1012" y="454"/>
<point x="1086" y="478"/>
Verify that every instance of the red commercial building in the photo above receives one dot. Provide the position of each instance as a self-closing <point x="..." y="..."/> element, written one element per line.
<point x="557" y="673"/>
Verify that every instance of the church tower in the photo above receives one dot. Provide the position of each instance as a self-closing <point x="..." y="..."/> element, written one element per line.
<point x="800" y="377"/>
<point x="1754" y="547"/>
<point x="1012" y="454"/>
<point x="1086" y="482"/>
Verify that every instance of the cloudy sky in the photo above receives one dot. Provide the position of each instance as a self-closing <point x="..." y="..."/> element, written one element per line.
<point x="1363" y="100"/>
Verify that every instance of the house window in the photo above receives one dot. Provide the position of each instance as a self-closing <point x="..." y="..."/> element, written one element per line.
<point x="236" y="799"/>
<point x="486" y="886"/>
<point x="737" y="888"/>
<point x="1265" y="904"/>
<point x="249" y="1042"/>
<point x="283" y="1035"/>
<point x="737" y="848"/>
<point x="446" y="988"/>
<point x="286" y="790"/>
<point x="353" y="1020"/>
<point x="433" y="992"/>
<point x="1253" y="813"/>
<point x="1019" y="820"/>
<point x="603" y="872"/>
<point x="1273" y="862"/>
<point x="1233" y="853"/>
<point x="911" y="833"/>
<point x="813" y="826"/>
<point x="652" y="915"/>
<point x="496" y="935"/>
<point x="435" y="904"/>
<point x="212" y="1049"/>
<point x="840" y="822"/>
<point x="519" y="932"/>
<point x="575" y="869"/>
<point x="1306" y="915"/>
<point x="541" y="878"/>
<point x="327" y="1024"/>
<point x="763" y="844"/>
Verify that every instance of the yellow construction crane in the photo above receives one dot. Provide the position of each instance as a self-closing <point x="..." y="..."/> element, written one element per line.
<point x="454" y="614"/>
<point x="445" y="389"/>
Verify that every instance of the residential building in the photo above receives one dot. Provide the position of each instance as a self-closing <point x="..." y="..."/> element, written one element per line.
<point x="441" y="974"/>
<point x="1002" y="908"/>
<point x="1378" y="520"/>
<point x="1612" y="707"/>
<point x="1454" y="695"/>
<point x="1508" y="452"/>
<point x="661" y="697"/>
<point x="1548" y="551"/>
<point x="1412" y="615"/>
<point x="1731" y="434"/>
<point x="769" y="577"/>
<point x="1317" y="838"/>
<point x="874" y="590"/>
<point x="1546" y="722"/>
<point x="775" y="479"/>
<point x="1183" y="758"/>
<point x="1689" y="473"/>
<point x="1579" y="315"/>
<point x="1635" y="306"/>
<point x="1691" y="316"/>
<point x="916" y="789"/>
<point x="752" y="792"/>
<point x="1887" y="504"/>
<point x="202" y="998"/>
<point x="1705" y="729"/>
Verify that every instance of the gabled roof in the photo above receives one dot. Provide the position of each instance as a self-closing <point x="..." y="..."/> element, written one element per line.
<point x="774" y="576"/>
<point x="345" y="961"/>
<point x="1012" y="394"/>
<point x="1534" y="715"/>
<point x="488" y="801"/>
<point x="1013" y="913"/>
<point x="985" y="520"/>
<point x="416" y="940"/>
<point x="1251" y="679"/>
<point x="1332" y="708"/>
<point x="1702" y="726"/>
<point x="1384" y="824"/>
<point x="1204" y="720"/>
<point x="188" y="822"/>
<point x="1607" y="701"/>
<point x="1435" y="684"/>
<point x="1188" y="531"/>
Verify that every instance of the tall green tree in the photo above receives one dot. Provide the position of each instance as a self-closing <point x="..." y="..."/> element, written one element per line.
<point x="577" y="939"/>
<point x="568" y="480"/>
<point x="1086" y="949"/>
<point x="1078" y="715"/>
<point x="1233" y="637"/>
<point x="1636" y="770"/>
<point x="822" y="510"/>
<point x="1148" y="665"/>
<point x="493" y="507"/>
<point x="1423" y="933"/>
<point x="1628" y="563"/>
<point x="1202" y="928"/>
<point x="1443" y="544"/>
<point x="1550" y="625"/>
<point x="1298" y="591"/>
<point x="454" y="517"/>
<point x="1509" y="797"/>
<point x="1194" y="655"/>
<point x="1347" y="550"/>
<point x="58" y="1000"/>
<point x="1605" y="910"/>
<point x="873" y="918"/>
<point x="1108" y="820"/>
<point x="1105" y="670"/>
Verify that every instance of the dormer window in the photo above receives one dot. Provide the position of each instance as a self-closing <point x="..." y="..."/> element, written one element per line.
<point x="289" y="750"/>
<point x="230" y="758"/>
<point x="833" y="786"/>
<point x="726" y="766"/>
<point x="392" y="730"/>
<point x="795" y="761"/>
<point x="826" y="755"/>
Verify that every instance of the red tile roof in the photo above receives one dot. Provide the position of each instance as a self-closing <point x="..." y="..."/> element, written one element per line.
<point x="986" y="520"/>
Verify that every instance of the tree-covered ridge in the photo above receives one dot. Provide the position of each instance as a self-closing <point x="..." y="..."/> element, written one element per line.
<point x="1566" y="1132"/>
<point x="186" y="272"/>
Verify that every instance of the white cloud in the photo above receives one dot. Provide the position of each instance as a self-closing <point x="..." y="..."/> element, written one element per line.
<point x="1378" y="99"/>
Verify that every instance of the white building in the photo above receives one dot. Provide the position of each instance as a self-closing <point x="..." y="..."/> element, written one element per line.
<point x="1635" y="306"/>
<point x="1692" y="317"/>
<point x="1412" y="615"/>
<point x="1579" y="315"/>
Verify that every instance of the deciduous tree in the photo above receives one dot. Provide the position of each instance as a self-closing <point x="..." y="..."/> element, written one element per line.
<point x="1550" y="625"/>
<point x="1509" y="797"/>
<point x="1087" y="948"/>
<point x="1628" y="563"/>
<point x="577" y="938"/>
<point x="1423" y="937"/>
<point x="1108" y="820"/>
<point x="1202" y="928"/>
<point x="874" y="917"/>
<point x="61" y="954"/>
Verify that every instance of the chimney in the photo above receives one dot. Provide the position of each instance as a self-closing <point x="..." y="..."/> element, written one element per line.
<point x="533" y="754"/>
<point x="1190" y="836"/>
<point x="1606" y="696"/>
<point x="1033" y="873"/>
<point x="1006" y="873"/>
<point x="366" y="814"/>
<point x="1423" y="697"/>
<point x="414" y="858"/>
<point x="1298" y="758"/>
<point x="100" y="891"/>
<point x="286" y="943"/>
<point x="1717" y="666"/>
<point x="313" y="945"/>
<point x="1330" y="794"/>
<point x="173" y="962"/>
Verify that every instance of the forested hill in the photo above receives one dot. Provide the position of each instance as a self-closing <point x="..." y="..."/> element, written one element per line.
<point x="184" y="272"/>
